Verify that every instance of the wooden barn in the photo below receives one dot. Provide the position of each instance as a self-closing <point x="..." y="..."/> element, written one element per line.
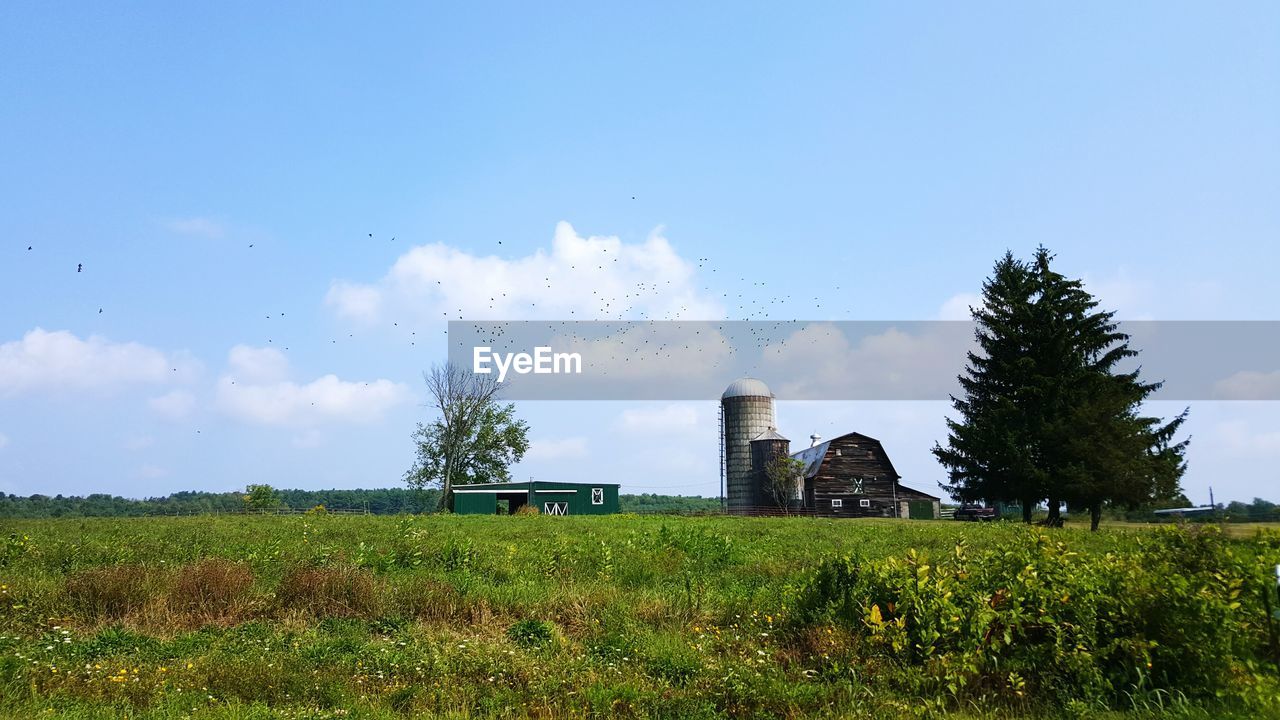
<point x="852" y="476"/>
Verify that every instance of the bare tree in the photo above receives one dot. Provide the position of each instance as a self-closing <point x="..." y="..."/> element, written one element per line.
<point x="474" y="439"/>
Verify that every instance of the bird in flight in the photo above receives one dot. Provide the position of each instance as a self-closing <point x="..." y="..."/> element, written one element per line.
<point x="79" y="267"/>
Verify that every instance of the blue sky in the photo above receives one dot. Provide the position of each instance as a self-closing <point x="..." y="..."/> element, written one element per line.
<point x="866" y="161"/>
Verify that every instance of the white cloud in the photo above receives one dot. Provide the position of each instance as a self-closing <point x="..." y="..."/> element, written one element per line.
<point x="174" y="405"/>
<point x="819" y="362"/>
<point x="59" y="360"/>
<point x="1249" y="385"/>
<point x="672" y="418"/>
<point x="565" y="449"/>
<point x="257" y="365"/>
<point x="1130" y="297"/>
<point x="257" y="391"/>
<point x="957" y="306"/>
<point x="197" y="226"/>
<point x="4" y="441"/>
<point x="362" y="303"/>
<point x="587" y="278"/>
<point x="1242" y="438"/>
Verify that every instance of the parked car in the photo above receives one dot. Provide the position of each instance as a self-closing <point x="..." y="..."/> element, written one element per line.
<point x="975" y="512"/>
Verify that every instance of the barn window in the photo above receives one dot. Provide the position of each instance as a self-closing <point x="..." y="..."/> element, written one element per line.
<point x="597" y="496"/>
<point x="864" y="503"/>
<point x="857" y="486"/>
<point x="837" y="503"/>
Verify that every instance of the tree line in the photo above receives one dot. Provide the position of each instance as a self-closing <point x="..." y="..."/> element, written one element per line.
<point x="388" y="501"/>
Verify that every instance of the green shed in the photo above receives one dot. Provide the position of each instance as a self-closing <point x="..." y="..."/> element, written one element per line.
<point x="550" y="498"/>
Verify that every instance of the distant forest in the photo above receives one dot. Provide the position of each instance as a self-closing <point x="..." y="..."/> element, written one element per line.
<point x="391" y="501"/>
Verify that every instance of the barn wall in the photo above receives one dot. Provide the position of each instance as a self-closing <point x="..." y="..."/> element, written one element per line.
<point x="579" y="500"/>
<point x="849" y="459"/>
<point x="475" y="503"/>
<point x="576" y="496"/>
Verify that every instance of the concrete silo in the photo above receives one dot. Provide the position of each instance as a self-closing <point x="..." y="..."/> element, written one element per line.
<point x="766" y="448"/>
<point x="746" y="412"/>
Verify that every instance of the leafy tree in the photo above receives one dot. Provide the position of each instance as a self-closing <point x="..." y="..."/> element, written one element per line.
<point x="1046" y="413"/>
<point x="475" y="439"/>
<point x="781" y="475"/>
<point x="261" y="497"/>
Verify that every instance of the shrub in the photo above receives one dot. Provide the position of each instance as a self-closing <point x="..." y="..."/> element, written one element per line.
<point x="527" y="509"/>
<point x="1036" y="619"/>
<point x="669" y="657"/>
<point x="531" y="633"/>
<point x="210" y="588"/>
<point x="337" y="591"/>
<point x="109" y="592"/>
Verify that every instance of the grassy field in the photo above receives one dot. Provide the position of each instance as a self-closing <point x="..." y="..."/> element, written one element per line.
<point x="628" y="616"/>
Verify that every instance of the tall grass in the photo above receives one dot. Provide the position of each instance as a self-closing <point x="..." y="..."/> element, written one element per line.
<point x="628" y="616"/>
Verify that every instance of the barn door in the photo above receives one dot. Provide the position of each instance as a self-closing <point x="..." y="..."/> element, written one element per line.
<point x="555" y="508"/>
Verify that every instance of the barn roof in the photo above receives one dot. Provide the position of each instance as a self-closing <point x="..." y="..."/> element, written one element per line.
<point x="912" y="491"/>
<point x="812" y="457"/>
<point x="526" y="486"/>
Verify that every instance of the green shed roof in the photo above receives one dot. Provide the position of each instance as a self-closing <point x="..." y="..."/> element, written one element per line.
<point x="535" y="485"/>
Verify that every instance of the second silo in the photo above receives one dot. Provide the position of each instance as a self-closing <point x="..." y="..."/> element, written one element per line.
<point x="747" y="411"/>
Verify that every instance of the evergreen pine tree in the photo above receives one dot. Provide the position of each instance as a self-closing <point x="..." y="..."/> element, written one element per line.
<point x="1047" y="414"/>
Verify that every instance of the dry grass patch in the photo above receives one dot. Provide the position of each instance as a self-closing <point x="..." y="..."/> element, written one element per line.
<point x="338" y="591"/>
<point x="429" y="600"/>
<point x="110" y="592"/>
<point x="213" y="589"/>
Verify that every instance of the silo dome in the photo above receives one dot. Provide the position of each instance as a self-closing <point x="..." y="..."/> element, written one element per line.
<point x="746" y="387"/>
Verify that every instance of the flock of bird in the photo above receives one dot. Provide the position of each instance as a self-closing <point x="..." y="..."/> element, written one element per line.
<point x="632" y="313"/>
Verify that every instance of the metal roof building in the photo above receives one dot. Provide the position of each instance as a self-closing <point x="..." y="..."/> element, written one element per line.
<point x="550" y="498"/>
